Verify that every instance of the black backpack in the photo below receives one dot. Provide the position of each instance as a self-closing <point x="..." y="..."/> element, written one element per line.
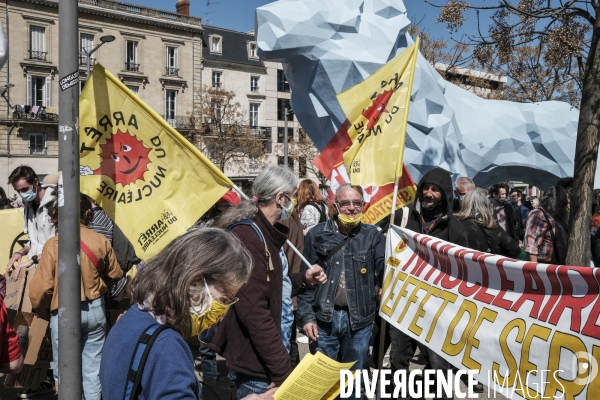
<point x="322" y="209"/>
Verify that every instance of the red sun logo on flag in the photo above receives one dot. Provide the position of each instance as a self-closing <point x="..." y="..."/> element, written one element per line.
<point x="124" y="158"/>
<point x="374" y="112"/>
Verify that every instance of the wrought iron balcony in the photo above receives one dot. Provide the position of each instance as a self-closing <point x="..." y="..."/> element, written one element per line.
<point x="171" y="71"/>
<point x="39" y="113"/>
<point x="132" y="67"/>
<point x="37" y="55"/>
<point x="179" y="122"/>
<point x="83" y="60"/>
<point x="38" y="150"/>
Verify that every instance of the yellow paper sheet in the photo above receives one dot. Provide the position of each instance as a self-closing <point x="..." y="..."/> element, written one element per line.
<point x="316" y="377"/>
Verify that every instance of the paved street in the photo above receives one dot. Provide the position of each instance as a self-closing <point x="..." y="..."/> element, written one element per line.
<point x="417" y="362"/>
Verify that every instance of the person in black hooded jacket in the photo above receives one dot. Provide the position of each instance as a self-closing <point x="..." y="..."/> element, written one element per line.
<point x="431" y="214"/>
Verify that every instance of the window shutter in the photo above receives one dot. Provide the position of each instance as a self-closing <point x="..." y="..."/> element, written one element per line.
<point x="175" y="57"/>
<point x="48" y="91"/>
<point x="29" y="90"/>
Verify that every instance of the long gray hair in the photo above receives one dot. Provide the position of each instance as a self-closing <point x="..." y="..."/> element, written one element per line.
<point x="164" y="284"/>
<point x="476" y="205"/>
<point x="268" y="183"/>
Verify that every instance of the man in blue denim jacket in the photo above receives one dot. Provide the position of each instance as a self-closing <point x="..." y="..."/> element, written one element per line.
<point x="340" y="312"/>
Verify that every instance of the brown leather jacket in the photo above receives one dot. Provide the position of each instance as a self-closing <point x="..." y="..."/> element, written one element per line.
<point x="249" y="336"/>
<point x="43" y="290"/>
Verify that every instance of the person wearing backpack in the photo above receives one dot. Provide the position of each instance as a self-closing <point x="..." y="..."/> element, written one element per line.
<point x="311" y="204"/>
<point x="254" y="337"/>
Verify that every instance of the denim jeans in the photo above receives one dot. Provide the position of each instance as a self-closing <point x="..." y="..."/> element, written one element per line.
<point x="337" y="338"/>
<point x="208" y="362"/>
<point x="403" y="349"/>
<point x="93" y="328"/>
<point x="247" y="385"/>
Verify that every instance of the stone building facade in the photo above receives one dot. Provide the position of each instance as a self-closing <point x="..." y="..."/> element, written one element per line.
<point x="230" y="60"/>
<point x="155" y="53"/>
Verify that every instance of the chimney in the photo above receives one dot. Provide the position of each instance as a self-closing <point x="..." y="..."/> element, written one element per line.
<point x="183" y="7"/>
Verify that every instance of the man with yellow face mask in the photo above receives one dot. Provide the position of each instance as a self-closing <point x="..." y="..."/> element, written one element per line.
<point x="340" y="313"/>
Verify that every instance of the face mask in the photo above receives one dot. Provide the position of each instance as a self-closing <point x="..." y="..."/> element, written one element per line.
<point x="28" y="196"/>
<point x="349" y="222"/>
<point x="287" y="210"/>
<point x="202" y="321"/>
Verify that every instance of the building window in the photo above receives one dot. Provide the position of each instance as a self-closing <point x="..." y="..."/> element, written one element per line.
<point x="131" y="56"/>
<point x="38" y="91"/>
<point x="254" y="83"/>
<point x="254" y="114"/>
<point x="215" y="44"/>
<point x="134" y="89"/>
<point x="171" y="106"/>
<point x="37" y="143"/>
<point x="290" y="162"/>
<point x="216" y="78"/>
<point x="282" y="104"/>
<point x="252" y="50"/>
<point x="280" y="133"/>
<point x="37" y="43"/>
<point x="302" y="167"/>
<point x="172" y="69"/>
<point x="86" y="43"/>
<point x="282" y="83"/>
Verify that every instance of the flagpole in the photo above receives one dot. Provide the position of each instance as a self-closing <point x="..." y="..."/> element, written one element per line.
<point x="298" y="253"/>
<point x="399" y="167"/>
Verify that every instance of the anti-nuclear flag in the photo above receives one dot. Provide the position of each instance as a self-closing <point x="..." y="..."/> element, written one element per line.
<point x="378" y="200"/>
<point x="13" y="237"/>
<point x="377" y="109"/>
<point x="532" y="330"/>
<point x="145" y="175"/>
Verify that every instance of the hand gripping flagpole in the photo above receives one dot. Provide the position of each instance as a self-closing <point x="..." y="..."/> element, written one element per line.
<point x="398" y="175"/>
<point x="243" y="195"/>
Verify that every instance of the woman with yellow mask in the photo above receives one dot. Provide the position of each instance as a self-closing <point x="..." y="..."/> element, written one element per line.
<point x="185" y="289"/>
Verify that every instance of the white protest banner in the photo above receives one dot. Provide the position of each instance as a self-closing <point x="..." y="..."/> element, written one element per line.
<point x="531" y="329"/>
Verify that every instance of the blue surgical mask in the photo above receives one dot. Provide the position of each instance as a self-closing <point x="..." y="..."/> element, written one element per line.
<point x="290" y="206"/>
<point x="28" y="196"/>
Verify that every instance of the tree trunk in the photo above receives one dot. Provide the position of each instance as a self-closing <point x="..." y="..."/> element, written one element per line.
<point x="586" y="156"/>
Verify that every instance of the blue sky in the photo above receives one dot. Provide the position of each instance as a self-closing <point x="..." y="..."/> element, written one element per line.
<point x="239" y="14"/>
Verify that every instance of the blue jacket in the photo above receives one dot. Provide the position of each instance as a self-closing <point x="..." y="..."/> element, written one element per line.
<point x="169" y="371"/>
<point x="363" y="259"/>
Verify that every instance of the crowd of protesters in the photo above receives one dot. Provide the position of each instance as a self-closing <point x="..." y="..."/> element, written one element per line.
<point x="235" y="279"/>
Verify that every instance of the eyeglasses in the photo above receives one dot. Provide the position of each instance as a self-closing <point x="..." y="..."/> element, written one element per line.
<point x="346" y="203"/>
<point x="227" y="302"/>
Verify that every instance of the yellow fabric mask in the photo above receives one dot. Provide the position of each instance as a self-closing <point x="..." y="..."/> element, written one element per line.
<point x="210" y="318"/>
<point x="215" y="313"/>
<point x="349" y="222"/>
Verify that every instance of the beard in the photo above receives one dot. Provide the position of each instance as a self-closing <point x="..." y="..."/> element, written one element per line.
<point x="431" y="205"/>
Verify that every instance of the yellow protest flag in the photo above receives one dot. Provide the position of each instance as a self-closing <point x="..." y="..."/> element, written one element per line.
<point x="148" y="178"/>
<point x="13" y="236"/>
<point x="377" y="110"/>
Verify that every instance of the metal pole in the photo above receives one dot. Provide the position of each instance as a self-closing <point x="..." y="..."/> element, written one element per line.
<point x="87" y="56"/>
<point x="69" y="271"/>
<point x="285" y="138"/>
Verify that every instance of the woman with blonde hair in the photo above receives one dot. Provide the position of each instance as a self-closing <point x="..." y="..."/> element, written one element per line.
<point x="477" y="217"/>
<point x="311" y="205"/>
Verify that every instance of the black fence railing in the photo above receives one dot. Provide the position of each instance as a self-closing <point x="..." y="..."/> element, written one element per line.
<point x="179" y="122"/>
<point x="171" y="71"/>
<point x="84" y="59"/>
<point x="37" y="55"/>
<point x="132" y="67"/>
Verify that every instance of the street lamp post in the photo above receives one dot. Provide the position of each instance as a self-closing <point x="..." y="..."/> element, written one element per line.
<point x="103" y="39"/>
<point x="285" y="136"/>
